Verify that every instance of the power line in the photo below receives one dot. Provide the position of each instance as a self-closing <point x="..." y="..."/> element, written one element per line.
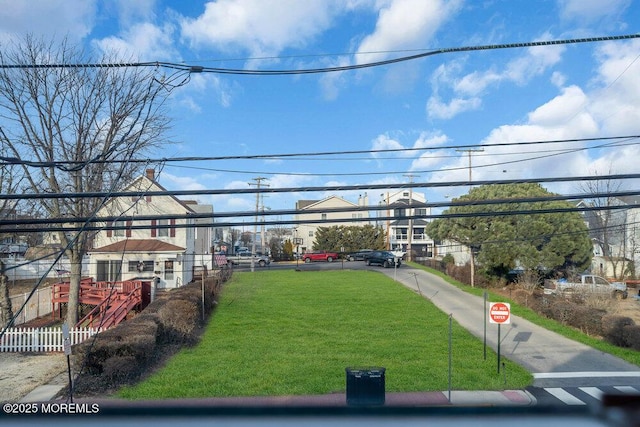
<point x="7" y="161"/>
<point x="64" y="222"/>
<point x="326" y="188"/>
<point x="218" y="70"/>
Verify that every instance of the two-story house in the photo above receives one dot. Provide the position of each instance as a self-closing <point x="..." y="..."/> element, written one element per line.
<point x="405" y="232"/>
<point x="318" y="213"/>
<point x="127" y="248"/>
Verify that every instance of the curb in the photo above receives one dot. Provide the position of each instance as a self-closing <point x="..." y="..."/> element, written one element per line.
<point x="414" y="399"/>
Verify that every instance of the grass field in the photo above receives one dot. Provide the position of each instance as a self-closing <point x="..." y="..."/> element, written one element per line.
<point x="294" y="333"/>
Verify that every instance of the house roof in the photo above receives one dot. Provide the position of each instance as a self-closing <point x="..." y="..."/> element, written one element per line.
<point x="142" y="245"/>
<point x="406" y="202"/>
<point x="138" y="184"/>
<point x="309" y="204"/>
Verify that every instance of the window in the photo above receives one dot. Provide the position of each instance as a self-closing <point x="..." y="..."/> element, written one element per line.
<point x="140" y="266"/>
<point x="168" y="270"/>
<point x="323" y="216"/>
<point x="108" y="271"/>
<point x="119" y="232"/>
<point x="310" y="233"/>
<point x="163" y="230"/>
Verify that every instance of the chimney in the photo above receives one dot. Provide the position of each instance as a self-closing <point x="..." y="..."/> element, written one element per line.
<point x="151" y="174"/>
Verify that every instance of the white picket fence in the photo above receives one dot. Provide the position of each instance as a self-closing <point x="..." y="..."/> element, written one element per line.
<point x="47" y="339"/>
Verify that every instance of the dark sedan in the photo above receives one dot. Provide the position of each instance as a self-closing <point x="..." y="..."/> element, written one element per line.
<point x="361" y="255"/>
<point x="383" y="258"/>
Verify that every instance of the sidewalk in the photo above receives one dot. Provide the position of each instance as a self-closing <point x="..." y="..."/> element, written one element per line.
<point x="48" y="392"/>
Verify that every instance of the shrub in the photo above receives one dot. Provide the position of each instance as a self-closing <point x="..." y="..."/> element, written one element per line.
<point x="588" y="320"/>
<point x="180" y="320"/>
<point x="613" y="329"/>
<point x="521" y="296"/>
<point x="125" y="353"/>
<point x="631" y="336"/>
<point x="563" y="311"/>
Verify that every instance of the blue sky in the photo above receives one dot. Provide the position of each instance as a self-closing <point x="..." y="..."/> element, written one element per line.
<point x="485" y="97"/>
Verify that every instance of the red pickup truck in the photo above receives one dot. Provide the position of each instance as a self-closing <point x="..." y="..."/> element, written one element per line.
<point x="319" y="256"/>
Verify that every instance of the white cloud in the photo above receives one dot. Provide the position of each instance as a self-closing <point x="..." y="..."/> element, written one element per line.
<point x="258" y="26"/>
<point x="535" y="62"/>
<point x="591" y="10"/>
<point x="439" y="110"/>
<point x="144" y="41"/>
<point x="405" y="24"/>
<point x="430" y="139"/>
<point x="385" y="142"/>
<point x="179" y="182"/>
<point x="566" y="110"/>
<point x="130" y="12"/>
<point x="558" y="79"/>
<point x="429" y="160"/>
<point x="468" y="89"/>
<point x="617" y="101"/>
<point x="475" y="83"/>
<point x="52" y="18"/>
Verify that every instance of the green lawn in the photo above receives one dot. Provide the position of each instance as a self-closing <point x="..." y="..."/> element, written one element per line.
<point x="293" y="333"/>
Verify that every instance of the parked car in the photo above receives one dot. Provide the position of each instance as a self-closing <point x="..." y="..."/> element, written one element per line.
<point x="383" y="258"/>
<point x="245" y="258"/>
<point x="361" y="255"/>
<point x="587" y="283"/>
<point x="319" y="256"/>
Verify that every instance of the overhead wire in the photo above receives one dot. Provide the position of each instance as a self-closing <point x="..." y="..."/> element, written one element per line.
<point x="280" y="156"/>
<point x="547" y="154"/>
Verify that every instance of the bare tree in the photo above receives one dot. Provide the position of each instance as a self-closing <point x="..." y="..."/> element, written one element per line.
<point x="6" y="313"/>
<point x="8" y="184"/>
<point x="607" y="223"/>
<point x="81" y="124"/>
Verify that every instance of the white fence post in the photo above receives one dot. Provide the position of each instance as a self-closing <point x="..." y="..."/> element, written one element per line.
<point x="42" y="339"/>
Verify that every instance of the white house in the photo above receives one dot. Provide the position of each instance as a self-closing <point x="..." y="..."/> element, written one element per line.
<point x="304" y="231"/>
<point x="405" y="234"/>
<point x="128" y="248"/>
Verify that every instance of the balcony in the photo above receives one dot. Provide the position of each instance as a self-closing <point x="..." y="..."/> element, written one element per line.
<point x="404" y="238"/>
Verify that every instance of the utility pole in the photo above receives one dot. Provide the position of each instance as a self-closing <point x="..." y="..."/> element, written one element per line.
<point x="469" y="151"/>
<point x="471" y="249"/>
<point x="388" y="223"/>
<point x="258" y="185"/>
<point x="410" y="214"/>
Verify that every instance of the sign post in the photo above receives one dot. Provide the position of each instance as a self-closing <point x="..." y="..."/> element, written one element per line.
<point x="66" y="343"/>
<point x="499" y="313"/>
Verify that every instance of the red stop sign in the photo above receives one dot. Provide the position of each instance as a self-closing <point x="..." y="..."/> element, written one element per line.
<point x="499" y="312"/>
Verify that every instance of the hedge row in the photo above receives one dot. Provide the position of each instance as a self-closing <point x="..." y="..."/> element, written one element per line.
<point x="124" y="354"/>
<point x="617" y="330"/>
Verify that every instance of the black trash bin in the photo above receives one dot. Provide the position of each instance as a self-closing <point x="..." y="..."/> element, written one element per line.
<point x="365" y="386"/>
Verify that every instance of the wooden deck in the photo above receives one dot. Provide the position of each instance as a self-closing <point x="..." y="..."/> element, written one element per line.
<point x="112" y="301"/>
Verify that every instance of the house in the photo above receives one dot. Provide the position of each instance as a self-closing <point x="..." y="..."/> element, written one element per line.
<point x="163" y="248"/>
<point x="404" y="234"/>
<point x="203" y="235"/>
<point x="615" y="235"/>
<point x="309" y="222"/>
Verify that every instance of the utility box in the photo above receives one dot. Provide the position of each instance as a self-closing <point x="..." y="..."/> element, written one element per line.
<point x="365" y="386"/>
